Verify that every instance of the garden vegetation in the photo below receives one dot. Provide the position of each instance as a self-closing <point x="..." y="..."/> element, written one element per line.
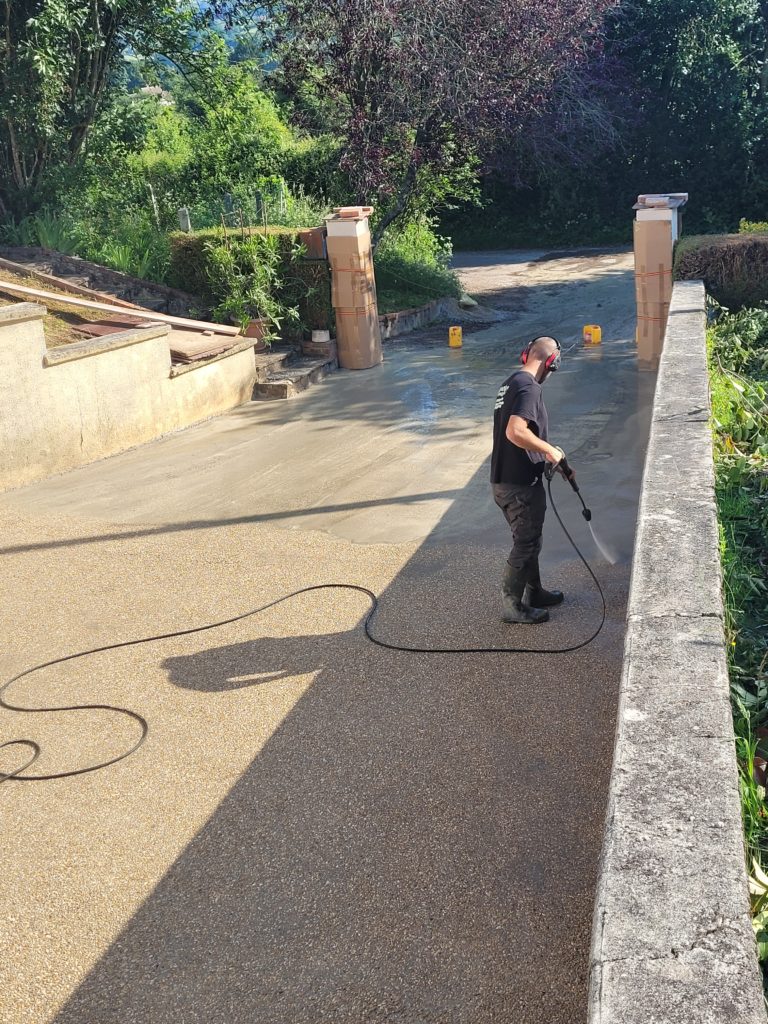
<point x="483" y="124"/>
<point x="738" y="347"/>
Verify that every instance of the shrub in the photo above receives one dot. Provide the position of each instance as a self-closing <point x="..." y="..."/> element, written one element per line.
<point x="245" y="274"/>
<point x="734" y="268"/>
<point x="136" y="248"/>
<point x="45" y="229"/>
<point x="412" y="268"/>
<point x="303" y="284"/>
<point x="752" y="227"/>
<point x="312" y="165"/>
<point x="738" y="347"/>
<point x="238" y="132"/>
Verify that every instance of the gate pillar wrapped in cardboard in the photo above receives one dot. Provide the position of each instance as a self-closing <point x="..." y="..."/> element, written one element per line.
<point x="358" y="336"/>
<point x="656" y="229"/>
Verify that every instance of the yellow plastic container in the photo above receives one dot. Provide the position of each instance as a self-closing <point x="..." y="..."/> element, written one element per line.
<point x="592" y="334"/>
<point x="454" y="337"/>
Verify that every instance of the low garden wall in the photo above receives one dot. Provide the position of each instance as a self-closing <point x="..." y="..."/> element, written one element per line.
<point x="672" y="937"/>
<point x="394" y="324"/>
<point x="63" y="408"/>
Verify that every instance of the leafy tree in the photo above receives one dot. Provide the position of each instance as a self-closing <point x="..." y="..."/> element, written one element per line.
<point x="698" y="73"/>
<point x="58" y="62"/>
<point x="425" y="90"/>
<point x="690" y="113"/>
<point x="237" y="130"/>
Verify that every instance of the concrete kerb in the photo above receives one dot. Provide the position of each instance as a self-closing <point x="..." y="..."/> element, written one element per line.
<point x="21" y="312"/>
<point x="672" y="938"/>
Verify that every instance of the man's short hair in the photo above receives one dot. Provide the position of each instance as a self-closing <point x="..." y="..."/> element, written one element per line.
<point x="543" y="347"/>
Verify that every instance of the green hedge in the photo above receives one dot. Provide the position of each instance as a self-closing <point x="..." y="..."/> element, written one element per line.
<point x="753" y="227"/>
<point x="306" y="283"/>
<point x="734" y="268"/>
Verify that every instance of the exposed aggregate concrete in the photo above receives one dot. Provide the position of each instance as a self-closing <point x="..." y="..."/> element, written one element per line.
<point x="316" y="830"/>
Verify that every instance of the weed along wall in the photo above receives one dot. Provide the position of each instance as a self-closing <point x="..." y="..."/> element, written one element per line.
<point x="672" y="937"/>
<point x="63" y="408"/>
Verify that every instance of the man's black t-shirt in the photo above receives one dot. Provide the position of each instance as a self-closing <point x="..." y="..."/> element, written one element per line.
<point x="519" y="395"/>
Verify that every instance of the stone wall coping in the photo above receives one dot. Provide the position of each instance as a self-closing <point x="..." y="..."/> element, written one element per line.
<point x="19" y="312"/>
<point x="106" y="343"/>
<point x="672" y="939"/>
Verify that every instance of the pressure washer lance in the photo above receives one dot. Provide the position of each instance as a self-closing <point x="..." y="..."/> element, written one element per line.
<point x="549" y="471"/>
<point x="32" y="750"/>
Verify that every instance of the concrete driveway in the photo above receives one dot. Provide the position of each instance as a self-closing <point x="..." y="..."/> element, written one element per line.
<point x="317" y="830"/>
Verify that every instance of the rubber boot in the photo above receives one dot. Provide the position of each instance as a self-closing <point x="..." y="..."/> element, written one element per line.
<point x="512" y="587"/>
<point x="535" y="595"/>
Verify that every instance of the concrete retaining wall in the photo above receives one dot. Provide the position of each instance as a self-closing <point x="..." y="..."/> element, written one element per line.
<point x="672" y="938"/>
<point x="72" y="405"/>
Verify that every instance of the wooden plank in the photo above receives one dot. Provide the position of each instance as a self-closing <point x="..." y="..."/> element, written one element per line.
<point x="100" y="328"/>
<point x="188" y="346"/>
<point x="164" y="318"/>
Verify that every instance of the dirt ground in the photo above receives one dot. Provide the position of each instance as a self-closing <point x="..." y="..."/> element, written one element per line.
<point x="60" y="319"/>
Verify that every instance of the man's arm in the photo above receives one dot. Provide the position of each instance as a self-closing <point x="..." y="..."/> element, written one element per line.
<point x="520" y="434"/>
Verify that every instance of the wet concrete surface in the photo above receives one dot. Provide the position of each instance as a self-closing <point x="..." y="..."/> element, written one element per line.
<point x="413" y="432"/>
<point x="316" y="829"/>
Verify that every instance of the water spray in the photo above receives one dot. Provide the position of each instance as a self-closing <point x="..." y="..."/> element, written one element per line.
<point x="610" y="556"/>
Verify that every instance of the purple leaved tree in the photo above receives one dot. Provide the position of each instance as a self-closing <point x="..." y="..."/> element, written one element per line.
<point x="424" y="89"/>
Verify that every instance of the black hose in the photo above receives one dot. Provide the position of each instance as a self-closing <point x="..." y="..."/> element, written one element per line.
<point x="17" y="775"/>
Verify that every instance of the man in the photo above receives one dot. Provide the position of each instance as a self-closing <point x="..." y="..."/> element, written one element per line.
<point x="521" y="450"/>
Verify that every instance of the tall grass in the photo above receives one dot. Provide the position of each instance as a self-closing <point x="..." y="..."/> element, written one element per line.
<point x="45" y="229"/>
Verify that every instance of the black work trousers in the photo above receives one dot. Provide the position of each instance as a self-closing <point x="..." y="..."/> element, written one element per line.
<point x="523" y="506"/>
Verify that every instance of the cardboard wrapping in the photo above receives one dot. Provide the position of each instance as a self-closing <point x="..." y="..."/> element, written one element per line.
<point x="347" y="228"/>
<point x="352" y="289"/>
<point x="653" y="245"/>
<point x="345" y="251"/>
<point x="342" y="231"/>
<point x="358" y="338"/>
<point x="655" y="228"/>
<point x="649" y="338"/>
<point x="653" y="261"/>
<point x="313" y="241"/>
<point x="352" y="261"/>
<point x="656" y="312"/>
<point x="653" y="287"/>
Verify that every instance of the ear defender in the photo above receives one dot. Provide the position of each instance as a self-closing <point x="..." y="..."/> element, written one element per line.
<point x="553" y="361"/>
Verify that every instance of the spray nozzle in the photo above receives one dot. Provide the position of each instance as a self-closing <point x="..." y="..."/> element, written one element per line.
<point x="587" y="513"/>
